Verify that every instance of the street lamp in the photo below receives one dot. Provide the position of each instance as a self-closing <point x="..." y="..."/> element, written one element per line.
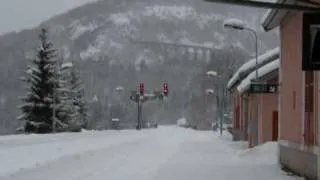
<point x="213" y="93"/>
<point x="239" y="25"/>
<point x="219" y="102"/>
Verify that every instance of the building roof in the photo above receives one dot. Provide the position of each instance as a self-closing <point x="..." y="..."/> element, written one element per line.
<point x="250" y="66"/>
<point x="273" y="17"/>
<point x="262" y="71"/>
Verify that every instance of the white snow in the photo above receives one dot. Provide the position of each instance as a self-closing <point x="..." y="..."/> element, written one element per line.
<point x="79" y="28"/>
<point x="234" y="22"/>
<point x="115" y="119"/>
<point x="94" y="49"/>
<point x="210" y="91"/>
<point x="169" y="153"/>
<point x="67" y="65"/>
<point x="182" y="122"/>
<point x="266" y="153"/>
<point x="121" y="18"/>
<point x="251" y="65"/>
<point x="245" y="84"/>
<point x="220" y="37"/>
<point x="163" y="38"/>
<point x="95" y="98"/>
<point x="212" y="73"/>
<point x="265" y="15"/>
<point x="165" y="12"/>
<point x="180" y="12"/>
<point x="119" y="88"/>
<point x="115" y="44"/>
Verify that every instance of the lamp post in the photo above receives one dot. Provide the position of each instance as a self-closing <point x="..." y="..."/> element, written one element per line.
<point x="239" y="25"/>
<point x="212" y="92"/>
<point x="219" y="102"/>
<point x="116" y="107"/>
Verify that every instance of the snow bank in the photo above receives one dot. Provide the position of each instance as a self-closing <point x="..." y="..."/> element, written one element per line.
<point x="266" y="153"/>
<point x="250" y="65"/>
<point x="245" y="84"/>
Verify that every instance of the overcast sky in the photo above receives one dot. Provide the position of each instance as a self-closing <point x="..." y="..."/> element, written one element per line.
<point x="20" y="14"/>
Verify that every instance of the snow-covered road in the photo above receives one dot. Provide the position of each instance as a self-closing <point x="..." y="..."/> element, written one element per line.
<point x="168" y="153"/>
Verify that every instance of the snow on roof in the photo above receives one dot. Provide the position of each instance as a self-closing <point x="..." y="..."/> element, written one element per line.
<point x="272" y="17"/>
<point x="67" y="65"/>
<point x="250" y="65"/>
<point x="245" y="84"/>
<point x="265" y="16"/>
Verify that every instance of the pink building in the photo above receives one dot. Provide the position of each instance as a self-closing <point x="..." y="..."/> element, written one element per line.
<point x="298" y="95"/>
<point x="246" y="126"/>
<point x="260" y="110"/>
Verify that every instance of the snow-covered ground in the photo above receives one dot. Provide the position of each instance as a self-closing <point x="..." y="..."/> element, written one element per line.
<point x="169" y="153"/>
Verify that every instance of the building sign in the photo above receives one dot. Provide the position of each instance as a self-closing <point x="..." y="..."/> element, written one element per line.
<point x="311" y="42"/>
<point x="263" y="88"/>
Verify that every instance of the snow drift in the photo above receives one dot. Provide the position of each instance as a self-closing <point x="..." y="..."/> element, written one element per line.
<point x="266" y="153"/>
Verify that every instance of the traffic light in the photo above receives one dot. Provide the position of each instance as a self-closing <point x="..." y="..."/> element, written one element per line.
<point x="165" y="89"/>
<point x="141" y="88"/>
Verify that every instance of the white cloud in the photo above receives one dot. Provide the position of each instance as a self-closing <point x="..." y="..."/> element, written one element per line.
<point x="20" y="14"/>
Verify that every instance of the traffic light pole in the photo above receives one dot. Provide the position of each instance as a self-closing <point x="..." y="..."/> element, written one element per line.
<point x="140" y="97"/>
<point x="139" y="123"/>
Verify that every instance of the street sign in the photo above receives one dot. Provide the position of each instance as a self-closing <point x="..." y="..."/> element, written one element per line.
<point x="263" y="88"/>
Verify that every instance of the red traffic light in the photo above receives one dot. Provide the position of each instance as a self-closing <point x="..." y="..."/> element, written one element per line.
<point x="141" y="88"/>
<point x="165" y="89"/>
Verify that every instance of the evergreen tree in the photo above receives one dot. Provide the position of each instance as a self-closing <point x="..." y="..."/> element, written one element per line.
<point x="66" y="95"/>
<point x="42" y="83"/>
<point x="78" y="97"/>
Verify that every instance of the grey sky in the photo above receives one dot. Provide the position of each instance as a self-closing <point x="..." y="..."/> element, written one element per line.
<point x="21" y="14"/>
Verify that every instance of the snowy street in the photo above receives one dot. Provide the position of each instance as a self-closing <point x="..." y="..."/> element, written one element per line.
<point x="166" y="153"/>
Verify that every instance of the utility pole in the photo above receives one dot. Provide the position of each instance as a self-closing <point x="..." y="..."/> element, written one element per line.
<point x="139" y="123"/>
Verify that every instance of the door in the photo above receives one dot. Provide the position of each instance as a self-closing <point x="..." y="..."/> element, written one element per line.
<point x="275" y="126"/>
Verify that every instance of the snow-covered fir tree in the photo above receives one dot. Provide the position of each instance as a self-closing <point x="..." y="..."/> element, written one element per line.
<point x="72" y="93"/>
<point x="42" y="101"/>
<point x="69" y="113"/>
<point x="79" y="102"/>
